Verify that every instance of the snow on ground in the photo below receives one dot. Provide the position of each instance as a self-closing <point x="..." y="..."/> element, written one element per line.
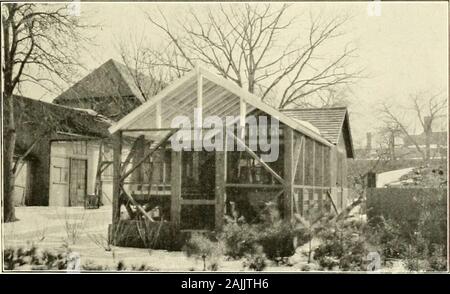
<point x="390" y="177"/>
<point x="46" y="227"/>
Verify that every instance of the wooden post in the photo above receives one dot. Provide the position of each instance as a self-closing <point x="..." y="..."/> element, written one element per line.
<point x="303" y="175"/>
<point x="220" y="189"/>
<point x="313" y="184"/>
<point x="98" y="176"/>
<point x="117" y="158"/>
<point x="242" y="116"/>
<point x="288" y="171"/>
<point x="198" y="124"/>
<point x="175" y="199"/>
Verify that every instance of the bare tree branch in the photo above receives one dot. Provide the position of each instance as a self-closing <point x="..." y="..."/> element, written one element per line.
<point x="248" y="44"/>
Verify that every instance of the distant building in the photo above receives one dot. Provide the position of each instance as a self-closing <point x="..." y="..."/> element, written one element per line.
<point x="64" y="167"/>
<point x="113" y="90"/>
<point x="60" y="168"/>
<point x="402" y="153"/>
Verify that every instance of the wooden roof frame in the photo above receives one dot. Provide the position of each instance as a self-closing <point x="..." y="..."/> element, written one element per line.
<point x="245" y="98"/>
<point x="345" y="127"/>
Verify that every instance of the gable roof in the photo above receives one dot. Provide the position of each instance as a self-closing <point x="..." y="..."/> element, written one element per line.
<point x="331" y="122"/>
<point x="221" y="97"/>
<point x="61" y="119"/>
<point x="112" y="79"/>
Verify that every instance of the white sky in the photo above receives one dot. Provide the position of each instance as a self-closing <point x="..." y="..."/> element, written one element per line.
<point x="404" y="50"/>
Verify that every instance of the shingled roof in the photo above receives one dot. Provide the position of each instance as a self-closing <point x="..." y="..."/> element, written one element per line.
<point x="58" y="118"/>
<point x="331" y="122"/>
<point x="112" y="79"/>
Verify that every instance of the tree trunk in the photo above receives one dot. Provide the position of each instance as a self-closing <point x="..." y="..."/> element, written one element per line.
<point x="8" y="160"/>
<point x="9" y="177"/>
<point x="427" y="146"/>
<point x="392" y="146"/>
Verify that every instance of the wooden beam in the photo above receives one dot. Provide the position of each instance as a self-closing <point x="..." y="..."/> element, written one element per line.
<point x="333" y="166"/>
<point x="138" y="206"/>
<point x="144" y="158"/>
<point x="303" y="177"/>
<point x="197" y="202"/>
<point x="198" y="119"/>
<point x="253" y="154"/>
<point x="254" y="186"/>
<point x="163" y="129"/>
<point x="303" y="161"/>
<point x="322" y="173"/>
<point x="311" y="187"/>
<point x="256" y="102"/>
<point x="242" y="116"/>
<point x="220" y="189"/>
<point x="136" y="113"/>
<point x="175" y="189"/>
<point x="105" y="166"/>
<point x="129" y="210"/>
<point x="313" y="167"/>
<point x="78" y="136"/>
<point x="98" y="175"/>
<point x="297" y="149"/>
<point x="117" y="158"/>
<point x="185" y="102"/>
<point x="332" y="202"/>
<point x="288" y="170"/>
<point x="323" y="166"/>
<point x="130" y="154"/>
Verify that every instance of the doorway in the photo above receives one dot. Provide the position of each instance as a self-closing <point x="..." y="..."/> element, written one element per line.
<point x="77" y="182"/>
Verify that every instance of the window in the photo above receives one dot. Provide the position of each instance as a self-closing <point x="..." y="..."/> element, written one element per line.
<point x="60" y="175"/>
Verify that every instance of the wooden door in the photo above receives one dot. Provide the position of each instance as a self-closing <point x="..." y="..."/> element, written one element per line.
<point x="77" y="185"/>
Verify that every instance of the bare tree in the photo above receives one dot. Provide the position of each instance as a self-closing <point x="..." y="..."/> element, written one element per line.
<point x="388" y="132"/>
<point x="249" y="45"/>
<point x="41" y="43"/>
<point x="148" y="78"/>
<point x="425" y="108"/>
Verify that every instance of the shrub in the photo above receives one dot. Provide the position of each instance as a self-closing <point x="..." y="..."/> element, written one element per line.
<point x="342" y="247"/>
<point x="274" y="235"/>
<point x="437" y="260"/>
<point x="91" y="266"/>
<point x="121" y="266"/>
<point x="73" y="227"/>
<point x="256" y="260"/>
<point x="420" y="256"/>
<point x="146" y="234"/>
<point x="8" y="259"/>
<point x="388" y="236"/>
<point x="48" y="260"/>
<point x="143" y="268"/>
<point x="277" y="240"/>
<point x="205" y="249"/>
<point x="239" y="239"/>
<point x="422" y="243"/>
